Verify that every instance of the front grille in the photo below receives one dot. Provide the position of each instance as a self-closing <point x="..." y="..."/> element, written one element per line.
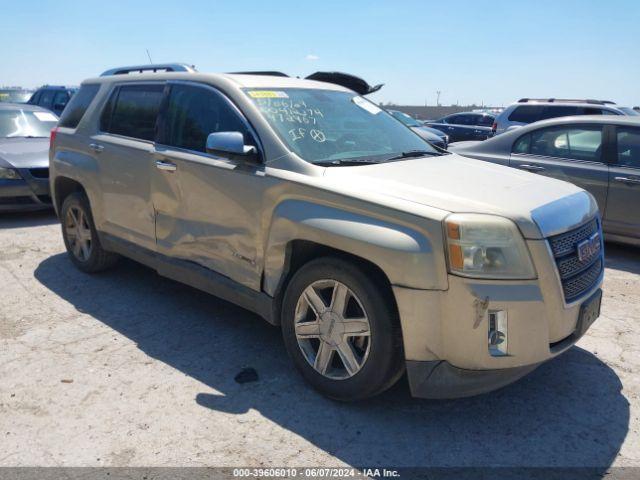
<point x="39" y="172"/>
<point x="577" y="276"/>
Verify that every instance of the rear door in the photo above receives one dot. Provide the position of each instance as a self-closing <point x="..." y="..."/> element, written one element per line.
<point x="124" y="153"/>
<point x="573" y="153"/>
<point x="208" y="207"/>
<point x="622" y="215"/>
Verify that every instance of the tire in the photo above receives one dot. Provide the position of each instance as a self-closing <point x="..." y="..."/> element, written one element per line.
<point x="376" y="359"/>
<point x="91" y="257"/>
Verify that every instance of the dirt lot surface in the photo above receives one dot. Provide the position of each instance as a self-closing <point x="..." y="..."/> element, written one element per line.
<point x="128" y="368"/>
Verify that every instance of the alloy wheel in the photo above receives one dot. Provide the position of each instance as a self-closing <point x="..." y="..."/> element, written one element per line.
<point x="332" y="329"/>
<point x="78" y="233"/>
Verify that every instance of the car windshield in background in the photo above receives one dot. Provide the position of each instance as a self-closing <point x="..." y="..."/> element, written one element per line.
<point x="26" y="123"/>
<point x="325" y="126"/>
<point x="408" y="120"/>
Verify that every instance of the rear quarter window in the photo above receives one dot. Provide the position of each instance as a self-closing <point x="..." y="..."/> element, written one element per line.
<point x="526" y="114"/>
<point x="78" y="106"/>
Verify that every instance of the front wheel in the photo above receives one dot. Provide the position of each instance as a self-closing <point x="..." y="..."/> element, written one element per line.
<point x="341" y="330"/>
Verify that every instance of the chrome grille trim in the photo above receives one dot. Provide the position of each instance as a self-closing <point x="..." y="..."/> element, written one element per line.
<point x="577" y="277"/>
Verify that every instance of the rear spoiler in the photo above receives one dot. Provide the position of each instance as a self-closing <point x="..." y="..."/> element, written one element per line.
<point x="351" y="82"/>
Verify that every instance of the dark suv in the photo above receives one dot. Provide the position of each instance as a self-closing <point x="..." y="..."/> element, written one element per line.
<point x="52" y="97"/>
<point x="465" y="126"/>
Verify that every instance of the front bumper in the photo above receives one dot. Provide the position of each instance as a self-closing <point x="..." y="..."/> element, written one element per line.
<point x="446" y="333"/>
<point x="27" y="193"/>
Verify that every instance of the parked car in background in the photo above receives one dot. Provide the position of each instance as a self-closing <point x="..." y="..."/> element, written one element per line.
<point x="464" y="126"/>
<point x="431" y="135"/>
<point x="598" y="153"/>
<point x="15" y="95"/>
<point x="303" y="201"/>
<point x="54" y="98"/>
<point x="529" y="110"/>
<point x="24" y="156"/>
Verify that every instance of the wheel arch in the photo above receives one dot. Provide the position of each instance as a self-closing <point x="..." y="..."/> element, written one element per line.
<point x="62" y="188"/>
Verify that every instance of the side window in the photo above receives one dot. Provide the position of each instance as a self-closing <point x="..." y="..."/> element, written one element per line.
<point x="195" y="112"/>
<point x="522" y="145"/>
<point x="526" y="114"/>
<point x="60" y="99"/>
<point x="78" y="106"/>
<point x="559" y="111"/>
<point x="485" y="120"/>
<point x="46" y="99"/>
<point x="578" y="143"/>
<point x="628" y="146"/>
<point x="132" y="111"/>
<point x="453" y="119"/>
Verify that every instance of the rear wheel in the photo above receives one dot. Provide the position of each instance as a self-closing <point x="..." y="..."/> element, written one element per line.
<point x="341" y="330"/>
<point x="80" y="236"/>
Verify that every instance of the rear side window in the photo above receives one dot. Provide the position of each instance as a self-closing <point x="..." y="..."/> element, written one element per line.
<point x="559" y="111"/>
<point x="195" y="112"/>
<point x="522" y="145"/>
<point x="578" y="143"/>
<point x="628" y="146"/>
<point x="485" y="120"/>
<point x="78" y="105"/>
<point x="526" y="114"/>
<point x="46" y="98"/>
<point x="132" y="111"/>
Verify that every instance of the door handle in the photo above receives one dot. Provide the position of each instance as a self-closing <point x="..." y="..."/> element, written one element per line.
<point x="531" y="168"/>
<point x="627" y="180"/>
<point x="166" y="166"/>
<point x="96" y="147"/>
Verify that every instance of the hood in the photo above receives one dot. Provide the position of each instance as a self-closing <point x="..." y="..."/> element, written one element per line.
<point x="455" y="146"/>
<point x="426" y="134"/>
<point x="540" y="206"/>
<point x="24" y="152"/>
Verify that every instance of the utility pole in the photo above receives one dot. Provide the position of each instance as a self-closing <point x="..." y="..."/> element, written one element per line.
<point x="149" y="55"/>
<point x="438" y="98"/>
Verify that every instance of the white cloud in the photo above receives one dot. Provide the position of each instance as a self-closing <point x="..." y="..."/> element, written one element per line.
<point x="312" y="58"/>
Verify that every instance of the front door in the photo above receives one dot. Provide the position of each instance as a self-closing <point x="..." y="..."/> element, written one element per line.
<point x="573" y="153"/>
<point x="208" y="208"/>
<point x="622" y="215"/>
<point x="123" y="152"/>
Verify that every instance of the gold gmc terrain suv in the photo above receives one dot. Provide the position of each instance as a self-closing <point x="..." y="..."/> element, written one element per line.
<point x="300" y="200"/>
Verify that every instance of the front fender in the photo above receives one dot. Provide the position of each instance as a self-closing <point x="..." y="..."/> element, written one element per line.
<point x="411" y="256"/>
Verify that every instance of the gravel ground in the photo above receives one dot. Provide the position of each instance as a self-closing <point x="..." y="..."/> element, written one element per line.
<point x="126" y="368"/>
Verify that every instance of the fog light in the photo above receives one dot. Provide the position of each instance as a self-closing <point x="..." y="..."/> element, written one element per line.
<point x="498" y="336"/>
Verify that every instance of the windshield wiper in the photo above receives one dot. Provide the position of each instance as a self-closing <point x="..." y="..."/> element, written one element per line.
<point x="345" y="162"/>
<point x="413" y="154"/>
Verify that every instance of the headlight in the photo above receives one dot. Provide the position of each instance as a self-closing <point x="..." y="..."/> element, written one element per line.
<point x="9" y="174"/>
<point x="486" y="246"/>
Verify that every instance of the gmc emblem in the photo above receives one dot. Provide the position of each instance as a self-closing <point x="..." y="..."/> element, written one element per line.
<point x="589" y="247"/>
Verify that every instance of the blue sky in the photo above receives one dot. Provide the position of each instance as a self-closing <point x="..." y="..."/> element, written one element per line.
<point x="473" y="51"/>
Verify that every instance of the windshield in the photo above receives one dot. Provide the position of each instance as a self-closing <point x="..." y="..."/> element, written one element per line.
<point x="325" y="126"/>
<point x="408" y="120"/>
<point x="26" y="123"/>
<point x="629" y="111"/>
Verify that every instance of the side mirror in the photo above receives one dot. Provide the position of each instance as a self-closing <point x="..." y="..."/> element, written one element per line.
<point x="230" y="144"/>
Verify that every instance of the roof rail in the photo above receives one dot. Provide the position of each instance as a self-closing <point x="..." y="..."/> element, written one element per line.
<point x="268" y="73"/>
<point x="567" y="100"/>
<point x="153" y="67"/>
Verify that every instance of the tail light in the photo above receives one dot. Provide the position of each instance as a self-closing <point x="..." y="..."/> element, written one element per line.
<point x="494" y="127"/>
<point x="52" y="137"/>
